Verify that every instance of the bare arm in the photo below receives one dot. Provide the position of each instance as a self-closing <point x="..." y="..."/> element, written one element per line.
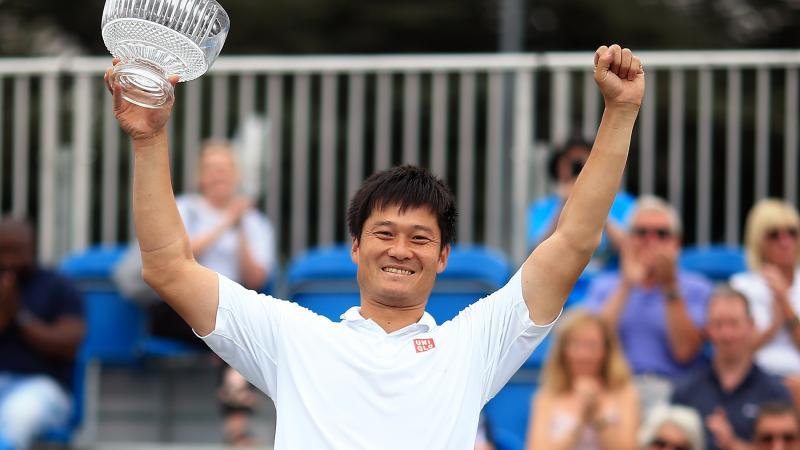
<point x="540" y="430"/>
<point x="254" y="276"/>
<point x="685" y="339"/>
<point x="59" y="340"/>
<point x="622" y="434"/>
<point x="555" y="265"/>
<point x="168" y="264"/>
<point x="615" y="304"/>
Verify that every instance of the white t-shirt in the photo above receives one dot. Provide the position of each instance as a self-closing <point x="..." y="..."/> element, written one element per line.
<point x="779" y="356"/>
<point x="351" y="386"/>
<point x="200" y="217"/>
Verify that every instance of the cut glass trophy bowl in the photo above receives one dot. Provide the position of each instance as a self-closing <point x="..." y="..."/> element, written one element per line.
<point x="154" y="39"/>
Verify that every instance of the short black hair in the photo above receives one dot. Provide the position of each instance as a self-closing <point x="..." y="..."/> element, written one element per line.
<point x="406" y="187"/>
<point x="575" y="139"/>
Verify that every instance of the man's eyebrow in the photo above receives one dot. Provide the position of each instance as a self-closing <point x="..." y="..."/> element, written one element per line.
<point x="389" y="223"/>
<point x="424" y="228"/>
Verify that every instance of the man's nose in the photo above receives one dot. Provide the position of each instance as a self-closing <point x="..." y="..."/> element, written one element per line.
<point x="400" y="249"/>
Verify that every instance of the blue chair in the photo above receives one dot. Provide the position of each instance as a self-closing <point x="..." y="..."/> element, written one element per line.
<point x="507" y="415"/>
<point x="324" y="281"/>
<point x="717" y="262"/>
<point x="116" y="330"/>
<point x="113" y="327"/>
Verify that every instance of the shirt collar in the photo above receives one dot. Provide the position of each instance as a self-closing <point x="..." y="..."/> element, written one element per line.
<point x="353" y="317"/>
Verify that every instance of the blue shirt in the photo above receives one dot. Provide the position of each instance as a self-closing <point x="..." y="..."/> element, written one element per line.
<point x="702" y="391"/>
<point x="642" y="324"/>
<point x="49" y="297"/>
<point x="543" y="214"/>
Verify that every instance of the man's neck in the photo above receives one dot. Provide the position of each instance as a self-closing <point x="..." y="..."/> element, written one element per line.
<point x="391" y="318"/>
<point x="731" y="372"/>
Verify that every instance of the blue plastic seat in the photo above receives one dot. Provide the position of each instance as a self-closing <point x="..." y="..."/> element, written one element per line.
<point x="324" y="281"/>
<point x="507" y="415"/>
<point x="717" y="262"/>
<point x="115" y="327"/>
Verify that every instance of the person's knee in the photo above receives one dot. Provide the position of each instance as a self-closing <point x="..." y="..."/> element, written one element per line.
<point x="29" y="409"/>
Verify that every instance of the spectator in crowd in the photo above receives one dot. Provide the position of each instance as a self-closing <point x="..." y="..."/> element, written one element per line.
<point x="234" y="239"/>
<point x="772" y="286"/>
<point x="777" y="427"/>
<point x="41" y="328"/>
<point x="658" y="309"/>
<point x="728" y="392"/>
<point x="564" y="167"/>
<point x="587" y="399"/>
<point x="672" y="427"/>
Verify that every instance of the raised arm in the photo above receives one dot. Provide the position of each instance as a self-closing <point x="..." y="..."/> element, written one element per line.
<point x="555" y="265"/>
<point x="168" y="265"/>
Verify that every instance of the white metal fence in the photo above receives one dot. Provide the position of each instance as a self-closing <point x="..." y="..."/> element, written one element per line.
<point x="717" y="131"/>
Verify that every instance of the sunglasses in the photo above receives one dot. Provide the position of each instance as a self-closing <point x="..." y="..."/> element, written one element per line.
<point x="775" y="233"/>
<point x="660" y="233"/>
<point x="663" y="444"/>
<point x="772" y="437"/>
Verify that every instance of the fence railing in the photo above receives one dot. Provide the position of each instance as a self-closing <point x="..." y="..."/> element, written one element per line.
<point x="718" y="130"/>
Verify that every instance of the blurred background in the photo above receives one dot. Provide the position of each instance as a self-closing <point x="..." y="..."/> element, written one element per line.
<point x="318" y="94"/>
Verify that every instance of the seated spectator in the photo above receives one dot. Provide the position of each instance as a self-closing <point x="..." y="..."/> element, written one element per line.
<point x="564" y="167"/>
<point x="586" y="400"/>
<point x="657" y="309"/>
<point x="777" y="428"/>
<point x="672" y="427"/>
<point x="728" y="392"/>
<point x="41" y="328"/>
<point x="772" y="286"/>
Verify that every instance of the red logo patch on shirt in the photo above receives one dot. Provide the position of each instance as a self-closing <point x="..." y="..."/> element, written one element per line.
<point x="423" y="345"/>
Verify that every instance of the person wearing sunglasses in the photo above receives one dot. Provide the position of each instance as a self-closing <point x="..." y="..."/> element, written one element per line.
<point x="672" y="427"/>
<point x="563" y="167"/>
<point x="771" y="285"/>
<point x="657" y="309"/>
<point x="777" y="428"/>
<point x="729" y="391"/>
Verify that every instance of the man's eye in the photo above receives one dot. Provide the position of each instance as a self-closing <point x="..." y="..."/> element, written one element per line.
<point x="421" y="238"/>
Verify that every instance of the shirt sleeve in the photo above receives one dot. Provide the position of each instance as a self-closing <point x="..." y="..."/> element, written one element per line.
<point x="599" y="291"/>
<point x="697" y="301"/>
<point x="504" y="333"/>
<point x="247" y="332"/>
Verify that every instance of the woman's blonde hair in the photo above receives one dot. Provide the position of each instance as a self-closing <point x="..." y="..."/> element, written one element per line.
<point x="615" y="372"/>
<point x="765" y="215"/>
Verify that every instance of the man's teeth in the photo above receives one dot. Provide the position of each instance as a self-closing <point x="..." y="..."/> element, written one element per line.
<point x="397" y="271"/>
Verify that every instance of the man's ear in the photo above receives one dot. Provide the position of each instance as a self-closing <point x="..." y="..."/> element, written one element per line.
<point x="354" y="250"/>
<point x="443" y="255"/>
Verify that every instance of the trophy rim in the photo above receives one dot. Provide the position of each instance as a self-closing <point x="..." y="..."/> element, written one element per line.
<point x="190" y="75"/>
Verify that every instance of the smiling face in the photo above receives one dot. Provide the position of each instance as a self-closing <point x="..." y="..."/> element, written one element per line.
<point x="398" y="256"/>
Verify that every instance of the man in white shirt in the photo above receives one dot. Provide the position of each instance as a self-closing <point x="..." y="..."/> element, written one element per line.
<point x="386" y="377"/>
